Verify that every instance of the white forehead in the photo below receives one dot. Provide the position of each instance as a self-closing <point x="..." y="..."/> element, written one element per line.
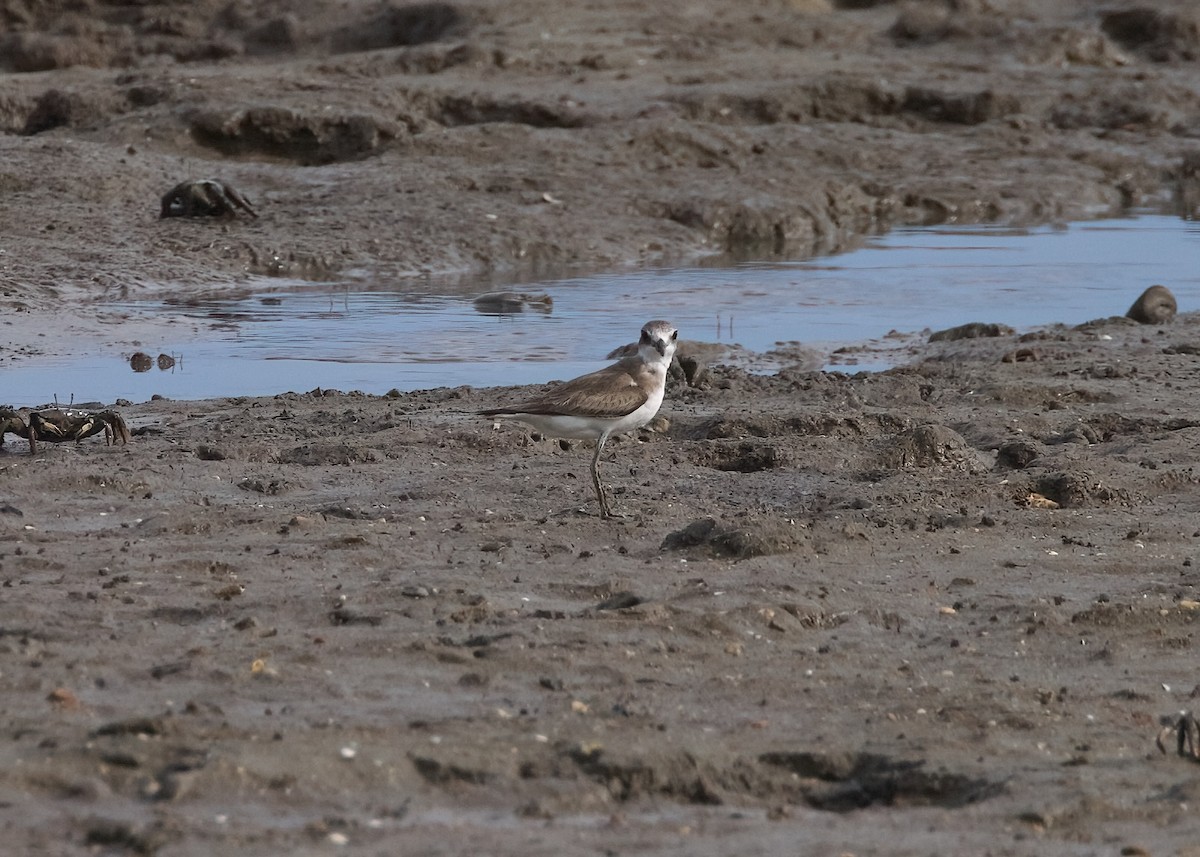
<point x="658" y="328"/>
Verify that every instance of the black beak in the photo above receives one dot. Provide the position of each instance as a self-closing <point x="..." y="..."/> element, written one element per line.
<point x="660" y="347"/>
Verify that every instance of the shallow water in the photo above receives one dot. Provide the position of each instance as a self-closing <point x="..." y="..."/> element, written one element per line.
<point x="351" y="337"/>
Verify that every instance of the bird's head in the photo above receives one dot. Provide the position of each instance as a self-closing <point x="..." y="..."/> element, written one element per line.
<point x="658" y="342"/>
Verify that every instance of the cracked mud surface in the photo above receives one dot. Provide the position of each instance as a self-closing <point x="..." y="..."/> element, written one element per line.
<point x="940" y="609"/>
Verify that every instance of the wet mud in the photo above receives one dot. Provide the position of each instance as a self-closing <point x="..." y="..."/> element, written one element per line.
<point x="947" y="608"/>
<point x="833" y="613"/>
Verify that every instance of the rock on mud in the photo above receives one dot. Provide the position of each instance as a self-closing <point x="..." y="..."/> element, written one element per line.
<point x="1156" y="305"/>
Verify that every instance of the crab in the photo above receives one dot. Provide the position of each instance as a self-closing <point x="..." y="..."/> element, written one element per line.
<point x="204" y="198"/>
<point x="59" y="425"/>
<point x="1185" y="730"/>
<point x="11" y="421"/>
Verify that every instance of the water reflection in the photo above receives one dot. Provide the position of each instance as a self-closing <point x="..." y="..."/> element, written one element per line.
<point x="511" y="303"/>
<point x="140" y="361"/>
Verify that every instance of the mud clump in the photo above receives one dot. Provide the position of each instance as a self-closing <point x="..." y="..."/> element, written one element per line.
<point x="1017" y="454"/>
<point x="851" y="781"/>
<point x="751" y="538"/>
<point x="294" y="136"/>
<point x="108" y="35"/>
<point x="933" y="446"/>
<point x="398" y="26"/>
<point x="321" y="454"/>
<point x="58" y="108"/>
<point x="970" y="108"/>
<point x="1156" y="34"/>
<point x="25" y="53"/>
<point x="744" y="457"/>
<point x="973" y="330"/>
<point x="1078" y="489"/>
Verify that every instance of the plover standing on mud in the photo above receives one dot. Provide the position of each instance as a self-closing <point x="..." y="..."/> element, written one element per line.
<point x="619" y="398"/>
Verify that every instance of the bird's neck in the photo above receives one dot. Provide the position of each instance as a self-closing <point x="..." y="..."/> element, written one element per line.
<point x="654" y="361"/>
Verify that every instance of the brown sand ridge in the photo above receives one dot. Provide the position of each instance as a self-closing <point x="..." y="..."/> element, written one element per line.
<point x="935" y="610"/>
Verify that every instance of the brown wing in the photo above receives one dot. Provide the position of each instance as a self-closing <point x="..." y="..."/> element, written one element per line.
<point x="611" y="392"/>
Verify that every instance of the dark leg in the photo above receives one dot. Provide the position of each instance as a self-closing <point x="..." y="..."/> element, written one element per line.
<point x="1189" y="737"/>
<point x="605" y="511"/>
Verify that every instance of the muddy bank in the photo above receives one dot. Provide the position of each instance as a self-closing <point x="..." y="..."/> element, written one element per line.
<point x="941" y="609"/>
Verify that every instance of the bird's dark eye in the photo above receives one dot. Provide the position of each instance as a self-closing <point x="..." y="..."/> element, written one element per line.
<point x="674" y="335"/>
<point x="645" y="336"/>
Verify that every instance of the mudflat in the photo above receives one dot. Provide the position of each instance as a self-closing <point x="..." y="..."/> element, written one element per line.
<point x="946" y="608"/>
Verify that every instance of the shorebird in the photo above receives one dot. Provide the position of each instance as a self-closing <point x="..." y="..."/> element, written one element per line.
<point x="619" y="398"/>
